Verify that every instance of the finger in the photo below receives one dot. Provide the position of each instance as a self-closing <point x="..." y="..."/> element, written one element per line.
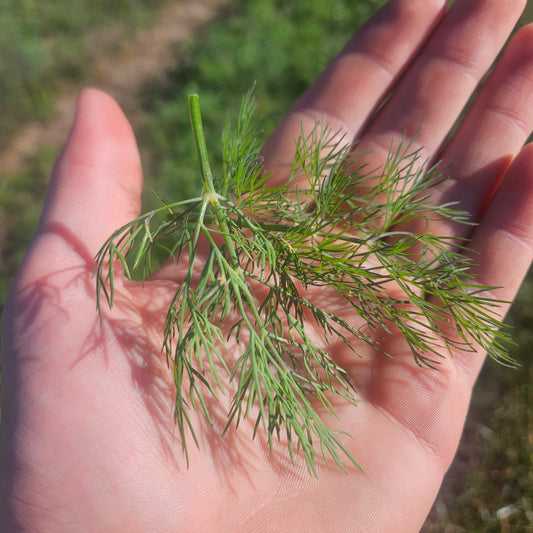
<point x="491" y="135"/>
<point x="355" y="82"/>
<point x="97" y="182"/>
<point x="95" y="187"/>
<point x="503" y="242"/>
<point x="439" y="83"/>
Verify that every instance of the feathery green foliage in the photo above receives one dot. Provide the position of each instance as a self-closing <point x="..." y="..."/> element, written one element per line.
<point x="256" y="254"/>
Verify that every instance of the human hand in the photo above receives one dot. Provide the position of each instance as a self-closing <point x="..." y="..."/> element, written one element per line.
<point x="88" y="440"/>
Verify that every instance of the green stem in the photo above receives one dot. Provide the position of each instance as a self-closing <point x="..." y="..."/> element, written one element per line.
<point x="199" y="141"/>
<point x="240" y="284"/>
<point x="207" y="176"/>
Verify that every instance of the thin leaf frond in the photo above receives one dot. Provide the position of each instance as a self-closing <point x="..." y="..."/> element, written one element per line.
<point x="335" y="224"/>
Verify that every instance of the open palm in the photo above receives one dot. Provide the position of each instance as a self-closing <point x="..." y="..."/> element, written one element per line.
<point x="88" y="439"/>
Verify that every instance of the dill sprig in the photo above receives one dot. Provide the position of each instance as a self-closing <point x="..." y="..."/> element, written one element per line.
<point x="255" y="250"/>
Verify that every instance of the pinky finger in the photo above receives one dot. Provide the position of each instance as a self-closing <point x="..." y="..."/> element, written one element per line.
<point x="502" y="244"/>
<point x="503" y="240"/>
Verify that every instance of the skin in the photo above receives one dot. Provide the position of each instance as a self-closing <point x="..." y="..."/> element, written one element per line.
<point x="88" y="441"/>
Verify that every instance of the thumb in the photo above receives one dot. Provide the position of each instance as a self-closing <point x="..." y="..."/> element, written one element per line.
<point x="95" y="187"/>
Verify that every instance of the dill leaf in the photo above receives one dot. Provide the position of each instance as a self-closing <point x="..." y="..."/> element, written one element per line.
<point x="333" y="224"/>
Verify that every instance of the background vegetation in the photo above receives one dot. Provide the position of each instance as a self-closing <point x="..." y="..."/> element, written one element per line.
<point x="43" y="44"/>
<point x="281" y="46"/>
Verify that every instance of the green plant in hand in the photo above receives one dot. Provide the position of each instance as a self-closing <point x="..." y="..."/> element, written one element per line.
<point x="256" y="254"/>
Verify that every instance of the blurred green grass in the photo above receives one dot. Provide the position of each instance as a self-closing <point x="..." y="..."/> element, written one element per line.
<point x="281" y="46"/>
<point x="44" y="44"/>
<point x="45" y="47"/>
